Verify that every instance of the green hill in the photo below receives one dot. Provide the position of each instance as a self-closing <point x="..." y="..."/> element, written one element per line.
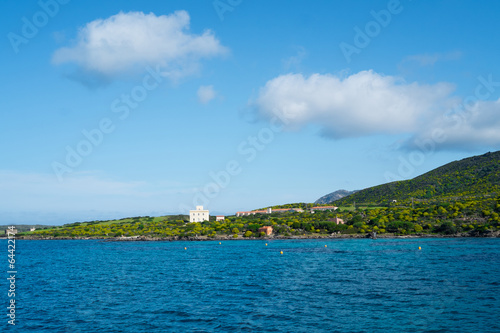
<point x="476" y="176"/>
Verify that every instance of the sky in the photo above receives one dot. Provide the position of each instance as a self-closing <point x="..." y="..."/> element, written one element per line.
<point x="132" y="108"/>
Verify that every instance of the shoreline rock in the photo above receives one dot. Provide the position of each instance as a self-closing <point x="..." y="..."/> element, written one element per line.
<point x="494" y="234"/>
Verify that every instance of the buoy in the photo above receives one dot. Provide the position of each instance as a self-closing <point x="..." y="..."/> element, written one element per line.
<point x="281" y="252"/>
<point x="220" y="243"/>
<point x="185" y="248"/>
<point x="266" y="244"/>
<point x="326" y="246"/>
<point x="419" y="248"/>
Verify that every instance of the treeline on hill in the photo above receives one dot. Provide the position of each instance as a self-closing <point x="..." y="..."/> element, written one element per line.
<point x="475" y="216"/>
<point x="472" y="177"/>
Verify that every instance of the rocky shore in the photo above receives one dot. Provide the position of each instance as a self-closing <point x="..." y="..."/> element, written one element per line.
<point x="493" y="234"/>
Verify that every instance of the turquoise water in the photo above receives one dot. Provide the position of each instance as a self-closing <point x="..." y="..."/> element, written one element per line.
<point x="359" y="285"/>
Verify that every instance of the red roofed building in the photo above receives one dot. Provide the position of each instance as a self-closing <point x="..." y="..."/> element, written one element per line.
<point x="267" y="230"/>
<point x="324" y="208"/>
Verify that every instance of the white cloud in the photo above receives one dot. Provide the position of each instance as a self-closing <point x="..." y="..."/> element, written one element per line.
<point x="475" y="126"/>
<point x="127" y="42"/>
<point x="358" y="105"/>
<point x="367" y="103"/>
<point x="206" y="94"/>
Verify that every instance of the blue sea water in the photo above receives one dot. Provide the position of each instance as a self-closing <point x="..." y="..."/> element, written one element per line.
<point x="355" y="285"/>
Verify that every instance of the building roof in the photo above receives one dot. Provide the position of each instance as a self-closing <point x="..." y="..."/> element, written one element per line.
<point x="324" y="207"/>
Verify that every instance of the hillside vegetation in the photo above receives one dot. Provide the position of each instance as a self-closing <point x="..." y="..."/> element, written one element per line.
<point x="473" y="177"/>
<point x="471" y="217"/>
<point x="461" y="197"/>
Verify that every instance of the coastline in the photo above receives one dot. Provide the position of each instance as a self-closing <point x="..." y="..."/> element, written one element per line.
<point x="495" y="234"/>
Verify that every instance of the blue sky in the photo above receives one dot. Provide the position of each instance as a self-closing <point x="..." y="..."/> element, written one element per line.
<point x="127" y="108"/>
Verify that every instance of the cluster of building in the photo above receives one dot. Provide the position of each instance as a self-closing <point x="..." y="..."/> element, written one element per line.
<point x="283" y="210"/>
<point x="269" y="211"/>
<point x="201" y="215"/>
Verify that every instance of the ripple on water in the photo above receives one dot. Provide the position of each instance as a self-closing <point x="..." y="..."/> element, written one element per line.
<point x="357" y="285"/>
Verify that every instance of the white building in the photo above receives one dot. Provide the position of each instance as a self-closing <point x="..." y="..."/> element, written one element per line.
<point x="199" y="215"/>
<point x="219" y="218"/>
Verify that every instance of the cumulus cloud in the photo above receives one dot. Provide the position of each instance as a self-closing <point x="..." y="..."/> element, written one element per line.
<point x="361" y="104"/>
<point x="368" y="103"/>
<point x="127" y="42"/>
<point x="206" y="94"/>
<point x="467" y="128"/>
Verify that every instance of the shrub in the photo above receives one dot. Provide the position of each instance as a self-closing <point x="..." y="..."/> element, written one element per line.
<point x="447" y="228"/>
<point x="358" y="225"/>
<point x="248" y="234"/>
<point x="351" y="230"/>
<point x="400" y="225"/>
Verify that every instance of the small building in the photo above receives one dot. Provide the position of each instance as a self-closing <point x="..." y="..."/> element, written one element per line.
<point x="199" y="215"/>
<point x="338" y="221"/>
<point x="219" y="218"/>
<point x="267" y="230"/>
<point x="32" y="229"/>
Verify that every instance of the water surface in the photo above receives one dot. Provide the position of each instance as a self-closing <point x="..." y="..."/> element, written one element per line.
<point x="355" y="285"/>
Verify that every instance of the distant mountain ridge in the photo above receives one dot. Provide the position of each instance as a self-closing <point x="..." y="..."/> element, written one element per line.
<point x="337" y="195"/>
<point x="475" y="176"/>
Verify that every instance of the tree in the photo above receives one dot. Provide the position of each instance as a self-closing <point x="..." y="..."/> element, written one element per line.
<point x="447" y="228"/>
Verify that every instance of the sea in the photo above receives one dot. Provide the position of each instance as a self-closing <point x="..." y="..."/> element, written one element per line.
<point x="323" y="285"/>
